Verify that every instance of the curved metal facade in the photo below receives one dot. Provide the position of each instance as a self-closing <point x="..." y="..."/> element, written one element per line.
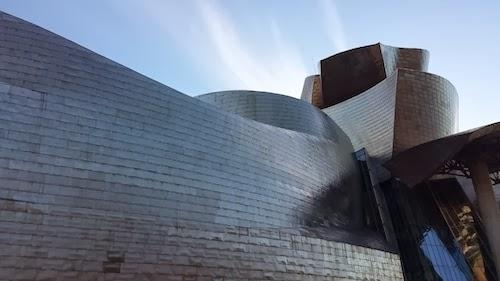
<point x="277" y="110"/>
<point x="411" y="58"/>
<point x="385" y="101"/>
<point x="349" y="73"/>
<point x="368" y="120"/>
<point x="107" y="172"/>
<point x="406" y="109"/>
<point x="352" y="72"/>
<point x="426" y="109"/>
<point x="311" y="92"/>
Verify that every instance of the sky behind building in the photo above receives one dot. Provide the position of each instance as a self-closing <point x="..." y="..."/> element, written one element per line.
<point x="201" y="46"/>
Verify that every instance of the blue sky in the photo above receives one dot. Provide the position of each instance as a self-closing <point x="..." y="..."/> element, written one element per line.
<point x="201" y="46"/>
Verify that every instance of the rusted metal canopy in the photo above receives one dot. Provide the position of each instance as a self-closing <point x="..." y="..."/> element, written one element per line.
<point x="448" y="155"/>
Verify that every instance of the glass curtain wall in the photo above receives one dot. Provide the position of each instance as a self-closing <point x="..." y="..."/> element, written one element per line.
<point x="427" y="247"/>
<point x="465" y="225"/>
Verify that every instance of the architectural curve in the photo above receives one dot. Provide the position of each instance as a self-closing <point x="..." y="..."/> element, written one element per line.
<point x="146" y="182"/>
<point x="419" y="163"/>
<point x="412" y="107"/>
<point x="347" y="74"/>
<point x="276" y="110"/>
<point x="311" y="92"/>
<point x="387" y="104"/>
<point x="356" y="118"/>
<point x="131" y="131"/>
<point x="426" y="109"/>
<point x="409" y="58"/>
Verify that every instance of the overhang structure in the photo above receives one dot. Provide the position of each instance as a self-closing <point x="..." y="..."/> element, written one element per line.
<point x="474" y="154"/>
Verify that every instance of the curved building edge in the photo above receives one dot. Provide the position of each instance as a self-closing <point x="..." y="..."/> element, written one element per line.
<point x="411" y="107"/>
<point x="276" y="110"/>
<point x="311" y="91"/>
<point x="426" y="109"/>
<point x="142" y="134"/>
<point x="129" y="179"/>
<point x="349" y="73"/>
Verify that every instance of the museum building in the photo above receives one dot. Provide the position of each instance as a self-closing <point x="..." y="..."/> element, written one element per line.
<point x="106" y="174"/>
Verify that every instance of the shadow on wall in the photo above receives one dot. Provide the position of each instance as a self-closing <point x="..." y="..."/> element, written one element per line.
<point x="337" y="206"/>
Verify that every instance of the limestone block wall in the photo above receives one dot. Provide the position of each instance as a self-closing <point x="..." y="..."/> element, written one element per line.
<point x="108" y="175"/>
<point x="277" y="110"/>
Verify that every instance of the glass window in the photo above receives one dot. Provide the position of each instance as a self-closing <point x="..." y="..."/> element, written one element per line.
<point x="427" y="246"/>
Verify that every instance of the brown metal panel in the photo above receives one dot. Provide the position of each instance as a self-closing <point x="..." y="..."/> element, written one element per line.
<point x="349" y="73"/>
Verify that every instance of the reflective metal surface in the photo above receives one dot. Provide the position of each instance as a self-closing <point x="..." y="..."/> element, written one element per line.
<point x="419" y="163"/>
<point x="427" y="247"/>
<point x="347" y="74"/>
<point x="107" y="174"/>
<point x="465" y="225"/>
<point x="277" y="110"/>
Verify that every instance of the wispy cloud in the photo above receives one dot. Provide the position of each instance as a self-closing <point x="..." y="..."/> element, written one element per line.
<point x="333" y="24"/>
<point x="218" y="44"/>
<point x="226" y="42"/>
<point x="281" y="70"/>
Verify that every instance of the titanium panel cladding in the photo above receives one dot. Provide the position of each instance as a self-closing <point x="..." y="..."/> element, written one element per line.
<point x="352" y="72"/>
<point x="277" y="110"/>
<point x="105" y="172"/>
<point x="426" y="109"/>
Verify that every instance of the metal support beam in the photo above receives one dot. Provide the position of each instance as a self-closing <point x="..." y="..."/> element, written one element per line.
<point x="488" y="208"/>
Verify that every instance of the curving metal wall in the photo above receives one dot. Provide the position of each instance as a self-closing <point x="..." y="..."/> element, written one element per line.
<point x="277" y="110"/>
<point x="347" y="74"/>
<point x="311" y="92"/>
<point x="411" y="58"/>
<point x="114" y="126"/>
<point x="105" y="172"/>
<point x="426" y="109"/>
<point x="406" y="109"/>
<point x="368" y="120"/>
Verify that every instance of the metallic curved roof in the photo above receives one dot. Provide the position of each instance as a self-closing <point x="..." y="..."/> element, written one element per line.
<point x="452" y="152"/>
<point x="347" y="74"/>
<point x="276" y="110"/>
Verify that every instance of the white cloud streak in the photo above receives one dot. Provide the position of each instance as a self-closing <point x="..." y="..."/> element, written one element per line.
<point x="333" y="24"/>
<point x="280" y="71"/>
<point x="224" y="51"/>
